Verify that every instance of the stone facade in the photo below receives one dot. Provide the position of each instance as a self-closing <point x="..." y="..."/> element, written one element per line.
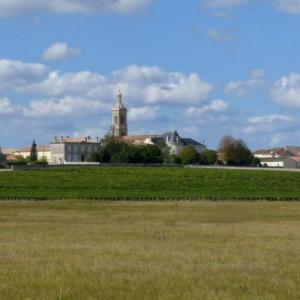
<point x="119" y="126"/>
<point x="73" y="150"/>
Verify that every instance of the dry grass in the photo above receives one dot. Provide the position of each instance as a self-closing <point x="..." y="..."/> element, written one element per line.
<point x="163" y="250"/>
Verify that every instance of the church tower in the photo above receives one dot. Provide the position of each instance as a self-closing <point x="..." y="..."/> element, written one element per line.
<point x="119" y="118"/>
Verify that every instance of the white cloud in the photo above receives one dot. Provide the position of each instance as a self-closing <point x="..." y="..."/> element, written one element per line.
<point x="14" y="74"/>
<point x="241" y="88"/>
<point x="270" y="119"/>
<point x="288" y="6"/>
<point x="267" y="124"/>
<point x="60" y="51"/>
<point x="6" y="107"/>
<point x="286" y="91"/>
<point x="147" y="85"/>
<point x="15" y="7"/>
<point x="67" y="106"/>
<point x="143" y="113"/>
<point x="221" y="4"/>
<point x="214" y="106"/>
<point x="56" y="103"/>
<point x="58" y="84"/>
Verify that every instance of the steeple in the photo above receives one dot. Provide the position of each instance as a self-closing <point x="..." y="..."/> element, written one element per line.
<point x="119" y="104"/>
<point x="119" y="118"/>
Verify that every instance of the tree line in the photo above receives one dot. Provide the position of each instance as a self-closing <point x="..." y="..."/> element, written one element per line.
<point x="233" y="152"/>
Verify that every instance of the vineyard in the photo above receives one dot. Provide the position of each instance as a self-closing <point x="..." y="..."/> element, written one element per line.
<point x="131" y="183"/>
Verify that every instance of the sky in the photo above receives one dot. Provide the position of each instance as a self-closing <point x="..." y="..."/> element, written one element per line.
<point x="206" y="68"/>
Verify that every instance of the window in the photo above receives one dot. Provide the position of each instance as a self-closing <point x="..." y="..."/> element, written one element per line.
<point x="116" y="120"/>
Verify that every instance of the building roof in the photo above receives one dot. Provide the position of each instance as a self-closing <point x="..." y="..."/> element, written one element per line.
<point x="41" y="148"/>
<point x="8" y="151"/>
<point x="288" y="151"/>
<point x="273" y="151"/>
<point x="295" y="158"/>
<point x="293" y="150"/>
<point x="75" y="140"/>
<point x="11" y="157"/>
<point x="172" y="137"/>
<point x="187" y="141"/>
<point x="140" y="139"/>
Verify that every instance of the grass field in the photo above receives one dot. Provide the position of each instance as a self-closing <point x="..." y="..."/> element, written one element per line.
<point x="134" y="183"/>
<point x="147" y="250"/>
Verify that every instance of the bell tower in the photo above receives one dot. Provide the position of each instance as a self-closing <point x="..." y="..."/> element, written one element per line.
<point x="119" y="126"/>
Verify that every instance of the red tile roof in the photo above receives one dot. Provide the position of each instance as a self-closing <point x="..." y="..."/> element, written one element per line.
<point x="45" y="148"/>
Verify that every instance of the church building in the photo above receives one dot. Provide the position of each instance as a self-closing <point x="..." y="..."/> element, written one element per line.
<point x="119" y="129"/>
<point x="119" y="126"/>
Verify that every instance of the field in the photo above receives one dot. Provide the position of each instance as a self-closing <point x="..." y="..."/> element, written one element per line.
<point x="134" y="183"/>
<point x="149" y="250"/>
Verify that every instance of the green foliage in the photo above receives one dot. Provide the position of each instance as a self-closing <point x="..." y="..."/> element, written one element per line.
<point x="43" y="161"/>
<point x="2" y="159"/>
<point x="175" y="159"/>
<point x="117" y="151"/>
<point x="20" y="160"/>
<point x="95" y="157"/>
<point x="125" y="183"/>
<point x="235" y="152"/>
<point x="151" y="154"/>
<point x="33" y="152"/>
<point x="208" y="157"/>
<point x="189" y="156"/>
<point x="255" y="162"/>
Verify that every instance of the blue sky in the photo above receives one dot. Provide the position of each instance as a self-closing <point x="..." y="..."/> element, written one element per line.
<point x="205" y="68"/>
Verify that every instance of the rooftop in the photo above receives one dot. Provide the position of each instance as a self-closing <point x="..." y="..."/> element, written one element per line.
<point x="40" y="148"/>
<point x="75" y="140"/>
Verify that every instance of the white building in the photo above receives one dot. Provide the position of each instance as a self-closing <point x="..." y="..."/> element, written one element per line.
<point x="172" y="139"/>
<point x="286" y="163"/>
<point x="177" y="144"/>
<point x="43" y="152"/>
<point x="66" y="150"/>
<point x="287" y="157"/>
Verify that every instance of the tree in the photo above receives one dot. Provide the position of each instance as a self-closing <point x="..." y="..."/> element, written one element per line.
<point x="175" y="159"/>
<point x="33" y="152"/>
<point x="2" y="159"/>
<point x="208" y="157"/>
<point x="165" y="151"/>
<point x="189" y="155"/>
<point x="235" y="151"/>
<point x="151" y="154"/>
<point x="94" y="157"/>
<point x="111" y="146"/>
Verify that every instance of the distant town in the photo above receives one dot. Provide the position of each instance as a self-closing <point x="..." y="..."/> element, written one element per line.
<point x="163" y="148"/>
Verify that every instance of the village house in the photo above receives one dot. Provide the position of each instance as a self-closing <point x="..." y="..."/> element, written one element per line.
<point x="68" y="150"/>
<point x="286" y="157"/>
<point x="43" y="153"/>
